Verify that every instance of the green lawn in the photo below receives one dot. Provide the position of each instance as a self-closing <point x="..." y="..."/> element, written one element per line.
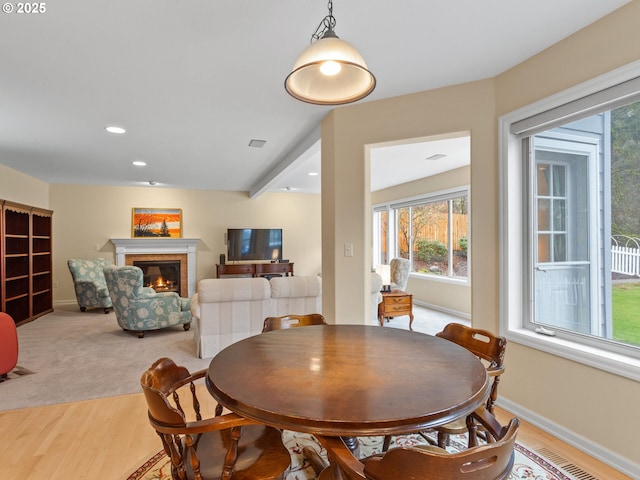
<point x="626" y="312"/>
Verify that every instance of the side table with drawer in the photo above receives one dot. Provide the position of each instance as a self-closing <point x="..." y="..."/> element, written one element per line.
<point x="394" y="304"/>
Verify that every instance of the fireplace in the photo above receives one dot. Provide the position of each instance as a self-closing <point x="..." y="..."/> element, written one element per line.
<point x="161" y="275"/>
<point x="154" y="253"/>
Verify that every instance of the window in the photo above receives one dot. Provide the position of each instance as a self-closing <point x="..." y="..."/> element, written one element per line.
<point x="381" y="235"/>
<point x="570" y="249"/>
<point x="431" y="231"/>
<point x="561" y="209"/>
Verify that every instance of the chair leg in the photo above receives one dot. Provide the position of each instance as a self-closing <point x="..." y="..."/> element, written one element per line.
<point x="443" y="439"/>
<point x="315" y="460"/>
<point x="386" y="442"/>
<point x="82" y="309"/>
<point x="186" y="326"/>
<point x="140" y="333"/>
<point x="106" y="310"/>
<point x="429" y="440"/>
<point x="472" y="428"/>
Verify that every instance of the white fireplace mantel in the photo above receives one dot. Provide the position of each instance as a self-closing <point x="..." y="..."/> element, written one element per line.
<point x="159" y="246"/>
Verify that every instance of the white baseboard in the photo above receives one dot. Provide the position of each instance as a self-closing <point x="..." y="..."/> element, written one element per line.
<point x="589" y="447"/>
<point x="439" y="308"/>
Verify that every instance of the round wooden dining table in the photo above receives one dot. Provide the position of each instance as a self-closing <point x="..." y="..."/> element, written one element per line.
<point x="348" y="380"/>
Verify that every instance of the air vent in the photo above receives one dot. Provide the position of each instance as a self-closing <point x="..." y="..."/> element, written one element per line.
<point x="257" y="143"/>
<point x="565" y="465"/>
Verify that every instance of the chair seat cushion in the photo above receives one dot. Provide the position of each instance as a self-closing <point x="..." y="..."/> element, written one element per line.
<point x="455" y="427"/>
<point x="430" y="448"/>
<point x="212" y="448"/>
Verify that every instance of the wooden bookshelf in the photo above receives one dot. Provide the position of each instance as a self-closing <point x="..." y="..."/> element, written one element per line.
<point x="25" y="261"/>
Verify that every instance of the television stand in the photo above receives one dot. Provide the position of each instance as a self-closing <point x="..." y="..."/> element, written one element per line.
<point x="255" y="269"/>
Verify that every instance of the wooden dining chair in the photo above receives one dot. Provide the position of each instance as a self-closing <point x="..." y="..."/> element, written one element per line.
<point x="490" y="461"/>
<point x="490" y="349"/>
<point x="216" y="447"/>
<point x="292" y="321"/>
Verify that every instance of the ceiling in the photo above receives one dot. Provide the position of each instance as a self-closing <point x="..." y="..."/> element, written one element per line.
<point x="193" y="82"/>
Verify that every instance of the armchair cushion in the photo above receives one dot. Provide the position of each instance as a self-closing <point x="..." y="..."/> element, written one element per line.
<point x="140" y="308"/>
<point x="296" y="295"/>
<point x="89" y="283"/>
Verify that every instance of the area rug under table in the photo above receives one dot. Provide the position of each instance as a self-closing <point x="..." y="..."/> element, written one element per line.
<point x="527" y="465"/>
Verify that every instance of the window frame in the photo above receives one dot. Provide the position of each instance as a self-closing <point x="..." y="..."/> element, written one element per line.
<point x="392" y="247"/>
<point x="515" y="225"/>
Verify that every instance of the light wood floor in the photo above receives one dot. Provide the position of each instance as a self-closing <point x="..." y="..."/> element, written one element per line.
<point x="107" y="438"/>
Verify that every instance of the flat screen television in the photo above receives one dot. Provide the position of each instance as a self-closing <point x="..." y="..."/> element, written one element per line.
<point x="254" y="244"/>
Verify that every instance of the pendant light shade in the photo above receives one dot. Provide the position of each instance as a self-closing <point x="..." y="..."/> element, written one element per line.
<point x="330" y="71"/>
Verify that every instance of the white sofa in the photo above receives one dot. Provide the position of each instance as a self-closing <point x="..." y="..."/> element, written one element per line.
<point x="226" y="310"/>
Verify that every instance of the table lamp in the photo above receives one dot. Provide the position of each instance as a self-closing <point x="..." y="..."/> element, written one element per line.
<point x="385" y="272"/>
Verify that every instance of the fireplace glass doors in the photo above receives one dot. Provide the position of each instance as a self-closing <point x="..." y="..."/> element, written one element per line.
<point x="161" y="275"/>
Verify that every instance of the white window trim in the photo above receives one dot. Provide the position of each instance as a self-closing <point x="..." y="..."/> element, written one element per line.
<point x="461" y="281"/>
<point x="513" y="228"/>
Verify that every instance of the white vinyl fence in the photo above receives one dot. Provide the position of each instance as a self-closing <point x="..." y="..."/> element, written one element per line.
<point x="625" y="255"/>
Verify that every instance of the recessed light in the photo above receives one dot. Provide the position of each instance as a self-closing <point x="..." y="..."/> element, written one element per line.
<point x="313" y="174"/>
<point x="139" y="163"/>
<point x="115" y="129"/>
<point x="152" y="182"/>
<point x="437" y="156"/>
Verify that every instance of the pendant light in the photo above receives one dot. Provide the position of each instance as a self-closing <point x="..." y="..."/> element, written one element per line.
<point x="330" y="71"/>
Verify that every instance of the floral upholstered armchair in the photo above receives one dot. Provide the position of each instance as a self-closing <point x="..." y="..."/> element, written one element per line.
<point x="88" y="281"/>
<point x="400" y="268"/>
<point x="140" y="308"/>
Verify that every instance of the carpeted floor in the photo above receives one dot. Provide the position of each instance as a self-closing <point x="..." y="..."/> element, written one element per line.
<point x="85" y="355"/>
<point x="528" y="465"/>
<point x="17" y="372"/>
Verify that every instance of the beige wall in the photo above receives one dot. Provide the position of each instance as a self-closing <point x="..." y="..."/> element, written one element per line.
<point x="453" y="298"/>
<point x="590" y="406"/>
<point x="346" y="198"/>
<point x="590" y="402"/>
<point x="85" y="216"/>
<point x="20" y="188"/>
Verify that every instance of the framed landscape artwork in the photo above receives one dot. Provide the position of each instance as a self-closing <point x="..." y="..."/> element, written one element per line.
<point x="156" y="222"/>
